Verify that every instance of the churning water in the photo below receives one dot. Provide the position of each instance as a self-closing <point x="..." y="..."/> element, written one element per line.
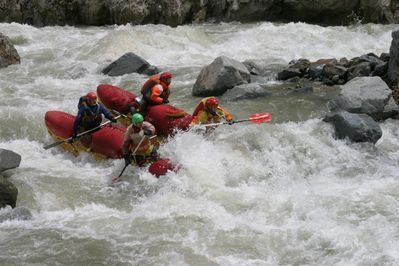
<point x="284" y="192"/>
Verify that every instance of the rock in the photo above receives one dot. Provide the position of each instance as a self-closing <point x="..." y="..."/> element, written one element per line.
<point x="8" y="54"/>
<point x="360" y="70"/>
<point x="380" y="70"/>
<point x="9" y="160"/>
<point x="363" y="95"/>
<point x="331" y="70"/>
<point x="393" y="68"/>
<point x="246" y="91"/>
<point x="253" y="68"/>
<point x="130" y="63"/>
<point x="289" y="73"/>
<point x="356" y="127"/>
<point x="384" y="57"/>
<point x="221" y="75"/>
<point x="8" y="193"/>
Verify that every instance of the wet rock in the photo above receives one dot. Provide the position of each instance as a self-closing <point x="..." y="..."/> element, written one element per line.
<point x="8" y="54"/>
<point x="385" y="57"/>
<point x="364" y="95"/>
<point x="221" y="75"/>
<point x="289" y="73"/>
<point x="253" y="68"/>
<point x="130" y="63"/>
<point x="246" y="91"/>
<point x="9" y="160"/>
<point x="393" y="68"/>
<point x="380" y="70"/>
<point x="359" y="70"/>
<point x="8" y="193"/>
<point x="356" y="127"/>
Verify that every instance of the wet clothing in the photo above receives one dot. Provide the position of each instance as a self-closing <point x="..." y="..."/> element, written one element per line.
<point x="89" y="116"/>
<point x="132" y="138"/>
<point x="203" y="115"/>
<point x="155" y="91"/>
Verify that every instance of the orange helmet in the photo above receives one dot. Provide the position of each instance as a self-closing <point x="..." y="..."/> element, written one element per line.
<point x="91" y="95"/>
<point x="212" y="102"/>
<point x="166" y="75"/>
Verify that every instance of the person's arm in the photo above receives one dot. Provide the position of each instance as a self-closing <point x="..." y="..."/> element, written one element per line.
<point x="148" y="128"/>
<point x="226" y="115"/>
<point x="126" y="141"/>
<point x="156" y="93"/>
<point x="107" y="114"/>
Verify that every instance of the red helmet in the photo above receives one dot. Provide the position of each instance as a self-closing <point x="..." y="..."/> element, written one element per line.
<point x="91" y="95"/>
<point x="212" y="102"/>
<point x="166" y="75"/>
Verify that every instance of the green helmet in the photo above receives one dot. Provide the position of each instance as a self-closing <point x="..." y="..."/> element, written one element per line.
<point x="137" y="118"/>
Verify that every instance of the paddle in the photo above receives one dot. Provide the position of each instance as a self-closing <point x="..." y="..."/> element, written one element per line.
<point x="120" y="114"/>
<point x="254" y="118"/>
<point x="117" y="178"/>
<point x="78" y="135"/>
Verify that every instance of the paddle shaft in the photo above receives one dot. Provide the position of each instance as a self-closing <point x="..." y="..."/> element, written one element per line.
<point x="261" y="119"/>
<point x="78" y="135"/>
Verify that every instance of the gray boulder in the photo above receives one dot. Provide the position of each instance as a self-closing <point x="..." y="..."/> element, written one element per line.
<point x="8" y="54"/>
<point x="130" y="63"/>
<point x="9" y="160"/>
<point x="246" y="91"/>
<point x="8" y="193"/>
<point x="221" y="75"/>
<point x="363" y="95"/>
<point x="356" y="127"/>
<point x="393" y="68"/>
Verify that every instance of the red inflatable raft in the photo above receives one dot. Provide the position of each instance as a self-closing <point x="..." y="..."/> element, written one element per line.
<point x="164" y="117"/>
<point x="106" y="142"/>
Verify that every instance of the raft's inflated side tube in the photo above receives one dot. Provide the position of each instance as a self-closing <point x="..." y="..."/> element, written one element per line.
<point x="59" y="123"/>
<point x="160" y="167"/>
<point x="107" y="141"/>
<point x="164" y="117"/>
<point x="116" y="98"/>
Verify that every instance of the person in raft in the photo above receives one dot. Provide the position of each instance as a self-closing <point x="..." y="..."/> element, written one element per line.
<point x="208" y="111"/>
<point x="155" y="91"/>
<point x="89" y="116"/>
<point x="137" y="146"/>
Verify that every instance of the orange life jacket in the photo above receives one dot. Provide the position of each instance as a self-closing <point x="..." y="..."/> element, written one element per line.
<point x="149" y="92"/>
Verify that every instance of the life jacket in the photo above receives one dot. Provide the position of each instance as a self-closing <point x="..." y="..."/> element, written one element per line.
<point x="200" y="106"/>
<point x="91" y="118"/>
<point x="136" y="135"/>
<point x="146" y="90"/>
<point x="202" y="115"/>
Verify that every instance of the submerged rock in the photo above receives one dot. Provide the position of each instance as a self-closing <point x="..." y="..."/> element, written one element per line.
<point x="9" y="160"/>
<point x="8" y="54"/>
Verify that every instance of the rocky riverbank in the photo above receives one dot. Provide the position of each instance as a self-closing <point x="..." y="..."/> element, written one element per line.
<point x="178" y="12"/>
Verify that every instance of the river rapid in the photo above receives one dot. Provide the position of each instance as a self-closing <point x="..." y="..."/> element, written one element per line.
<point x="283" y="192"/>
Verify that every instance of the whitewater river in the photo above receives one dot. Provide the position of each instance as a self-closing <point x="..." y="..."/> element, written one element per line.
<point x="284" y="192"/>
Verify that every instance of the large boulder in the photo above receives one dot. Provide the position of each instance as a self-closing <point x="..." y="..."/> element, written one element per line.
<point x="8" y="193"/>
<point x="393" y="68"/>
<point x="130" y="63"/>
<point x="363" y="95"/>
<point x="8" y="54"/>
<point x="9" y="160"/>
<point x="221" y="75"/>
<point x="356" y="127"/>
